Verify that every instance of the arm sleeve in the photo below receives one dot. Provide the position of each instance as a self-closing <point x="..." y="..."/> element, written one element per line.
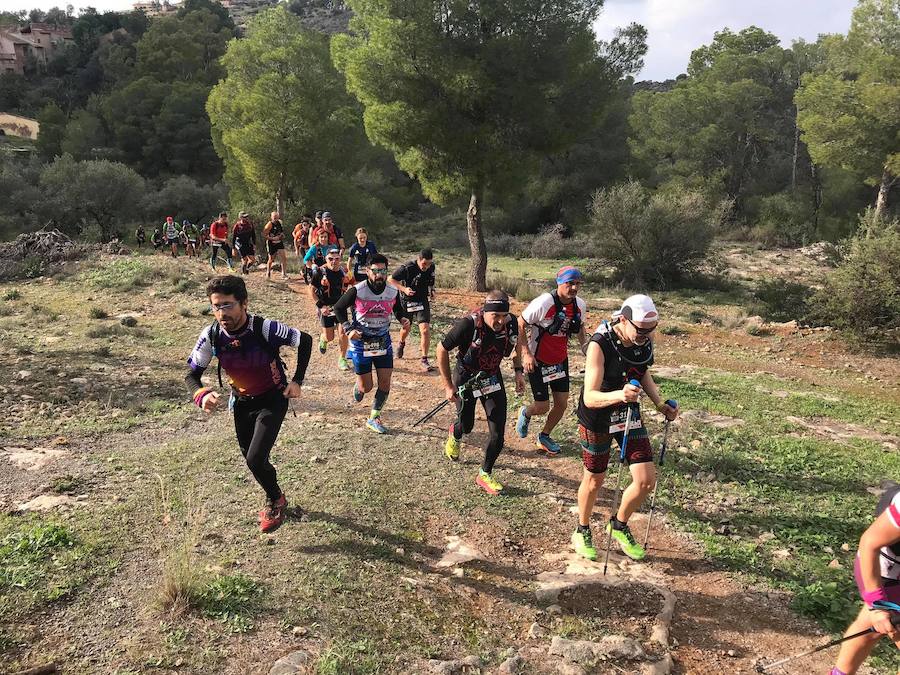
<point x="198" y="361"/>
<point x="341" y="306"/>
<point x="310" y="254"/>
<point x="460" y="334"/>
<point x="431" y="277"/>
<point x="304" y="350"/>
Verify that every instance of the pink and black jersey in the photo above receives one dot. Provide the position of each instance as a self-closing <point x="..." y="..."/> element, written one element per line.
<point x="890" y="555"/>
<point x="372" y="311"/>
<point x="249" y="364"/>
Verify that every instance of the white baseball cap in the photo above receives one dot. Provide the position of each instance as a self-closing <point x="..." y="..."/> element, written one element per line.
<point x="639" y="307"/>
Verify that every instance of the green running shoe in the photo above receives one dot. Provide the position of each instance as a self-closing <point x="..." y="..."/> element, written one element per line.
<point x="627" y="542"/>
<point x="323" y="345"/>
<point x="375" y="425"/>
<point x="451" y="449"/>
<point x="584" y="544"/>
<point x="487" y="483"/>
<point x="342" y="363"/>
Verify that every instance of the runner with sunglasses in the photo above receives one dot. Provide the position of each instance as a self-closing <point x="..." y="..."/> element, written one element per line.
<point x="326" y="286"/>
<point x="619" y="351"/>
<point x="364" y="312"/>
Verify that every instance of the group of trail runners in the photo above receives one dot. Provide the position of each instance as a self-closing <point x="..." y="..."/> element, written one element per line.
<point x="356" y="300"/>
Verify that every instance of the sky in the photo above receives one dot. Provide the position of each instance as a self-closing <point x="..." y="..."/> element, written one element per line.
<point x="675" y="27"/>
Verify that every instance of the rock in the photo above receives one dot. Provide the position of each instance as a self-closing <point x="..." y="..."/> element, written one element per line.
<point x="295" y="662"/>
<point x="781" y="553"/>
<point x="766" y="536"/>
<point x="569" y="669"/>
<point x="458" y="552"/>
<point x="299" y="631"/>
<point x="845" y="547"/>
<point x="459" y="572"/>
<point x="468" y="664"/>
<point x="835" y="564"/>
<point x="129" y="322"/>
<point x="731" y="653"/>
<point x="536" y="631"/>
<point x="46" y="502"/>
<point x="662" y="667"/>
<point x="696" y="443"/>
<point x="512" y="665"/>
<point x="585" y="652"/>
<point x="554" y="610"/>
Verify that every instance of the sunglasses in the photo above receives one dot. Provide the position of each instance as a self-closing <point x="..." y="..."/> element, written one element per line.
<point x="641" y="331"/>
<point x="378" y="270"/>
<point x="224" y="307"/>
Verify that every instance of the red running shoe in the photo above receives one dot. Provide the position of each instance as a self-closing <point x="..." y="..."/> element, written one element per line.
<point x="271" y="517"/>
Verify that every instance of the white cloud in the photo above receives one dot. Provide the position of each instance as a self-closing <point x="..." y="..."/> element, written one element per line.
<point x="677" y="27"/>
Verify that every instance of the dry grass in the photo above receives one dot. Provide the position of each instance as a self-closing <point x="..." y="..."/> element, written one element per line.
<point x="181" y="578"/>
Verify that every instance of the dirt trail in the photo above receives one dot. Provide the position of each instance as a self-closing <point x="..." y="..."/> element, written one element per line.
<point x="719" y="625"/>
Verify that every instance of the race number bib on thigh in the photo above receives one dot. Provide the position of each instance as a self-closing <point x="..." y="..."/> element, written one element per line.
<point x="375" y="346"/>
<point x="415" y="307"/>
<point x="551" y="373"/>
<point x="617" y="420"/>
<point x="488" y="386"/>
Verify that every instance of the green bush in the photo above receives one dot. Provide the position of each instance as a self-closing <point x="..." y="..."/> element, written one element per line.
<point x="653" y="237"/>
<point x="783" y="219"/>
<point x="516" y="287"/>
<point x="862" y="295"/>
<point x="98" y="313"/>
<point x="781" y="300"/>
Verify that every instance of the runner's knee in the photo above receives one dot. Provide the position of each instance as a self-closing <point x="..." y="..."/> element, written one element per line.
<point x="539" y="408"/>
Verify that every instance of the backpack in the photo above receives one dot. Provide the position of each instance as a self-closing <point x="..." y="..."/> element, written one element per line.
<point x="257" y="327"/>
<point x="558" y="320"/>
<point x="471" y="361"/>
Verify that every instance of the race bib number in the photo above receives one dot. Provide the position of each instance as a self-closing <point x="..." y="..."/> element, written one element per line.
<point x="375" y="347"/>
<point x="617" y="420"/>
<point x="550" y="373"/>
<point x="415" y="307"/>
<point x="487" y="387"/>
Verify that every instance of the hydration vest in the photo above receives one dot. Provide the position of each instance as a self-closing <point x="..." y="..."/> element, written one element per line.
<point x="256" y="326"/>
<point x="621" y="364"/>
<point x="559" y="319"/>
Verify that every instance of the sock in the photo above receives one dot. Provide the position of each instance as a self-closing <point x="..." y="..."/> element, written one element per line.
<point x="618" y="524"/>
<point x="837" y="671"/>
<point x="378" y="404"/>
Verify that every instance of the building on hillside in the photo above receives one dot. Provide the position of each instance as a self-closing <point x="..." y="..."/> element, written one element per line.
<point x="155" y="8"/>
<point x="23" y="127"/>
<point x="241" y="11"/>
<point x="34" y="44"/>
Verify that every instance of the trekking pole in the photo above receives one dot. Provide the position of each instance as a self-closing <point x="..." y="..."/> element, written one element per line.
<point x="615" y="506"/>
<point x="895" y="620"/>
<point x="460" y="391"/>
<point x="662" y="459"/>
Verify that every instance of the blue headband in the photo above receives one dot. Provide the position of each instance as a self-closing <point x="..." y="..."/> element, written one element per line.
<point x="567" y="274"/>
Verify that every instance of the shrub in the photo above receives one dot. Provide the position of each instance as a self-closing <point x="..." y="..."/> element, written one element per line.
<point x="13" y="294"/>
<point x="98" y="313"/>
<point x="653" y="237"/>
<point x="783" y="219"/>
<point x="862" y="295"/>
<point x="781" y="300"/>
<point x="520" y="289"/>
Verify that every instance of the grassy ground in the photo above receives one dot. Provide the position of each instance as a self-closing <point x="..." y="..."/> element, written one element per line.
<point x="156" y="565"/>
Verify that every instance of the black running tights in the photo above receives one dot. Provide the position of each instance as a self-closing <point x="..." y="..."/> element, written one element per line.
<point x="257" y="422"/>
<point x="495" y="410"/>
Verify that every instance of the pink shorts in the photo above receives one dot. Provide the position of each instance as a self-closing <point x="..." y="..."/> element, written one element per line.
<point x="891" y="586"/>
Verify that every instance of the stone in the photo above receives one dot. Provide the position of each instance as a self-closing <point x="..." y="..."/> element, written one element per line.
<point x="554" y="610"/>
<point x="766" y="536"/>
<point x="299" y="631"/>
<point x="458" y="552"/>
<point x="586" y="652"/>
<point x="295" y="662"/>
<point x="511" y="666"/>
<point x="781" y="553"/>
<point x="129" y="321"/>
<point x="536" y="631"/>
<point x="662" y="667"/>
<point x="835" y="564"/>
<point x="46" y="502"/>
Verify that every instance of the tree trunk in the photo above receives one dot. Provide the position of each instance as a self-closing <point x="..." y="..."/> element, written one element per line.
<point x="478" y="271"/>
<point x="884" y="189"/>
<point x="280" y="196"/>
<point x="816" y="195"/>
<point x="796" y="150"/>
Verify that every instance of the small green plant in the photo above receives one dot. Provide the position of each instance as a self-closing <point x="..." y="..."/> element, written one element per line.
<point x="781" y="300"/>
<point x="673" y="329"/>
<point x="66" y="485"/>
<point x="12" y="294"/>
<point x="518" y="288"/>
<point x="24" y="554"/>
<point x="697" y="316"/>
<point x="232" y="599"/>
<point x="98" y="313"/>
<point x="186" y="312"/>
<point x="102" y="351"/>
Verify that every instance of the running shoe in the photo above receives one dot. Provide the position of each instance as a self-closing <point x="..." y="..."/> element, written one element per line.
<point x="487" y="483"/>
<point x="357" y="394"/>
<point x="522" y="423"/>
<point x="375" y="425"/>
<point x="584" y="544"/>
<point x="323" y="345"/>
<point x="626" y="541"/>
<point x="271" y="517"/>
<point x="342" y="363"/>
<point x="426" y="366"/>
<point x="400" y="348"/>
<point x="550" y="446"/>
<point x="451" y="449"/>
